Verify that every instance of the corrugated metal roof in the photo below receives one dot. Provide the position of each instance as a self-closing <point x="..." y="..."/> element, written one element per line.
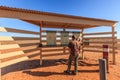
<point x="48" y="13"/>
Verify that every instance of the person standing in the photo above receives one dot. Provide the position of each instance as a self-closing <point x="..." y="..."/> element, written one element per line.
<point x="74" y="50"/>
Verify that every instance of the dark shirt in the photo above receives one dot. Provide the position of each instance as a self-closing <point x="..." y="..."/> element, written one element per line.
<point x="74" y="46"/>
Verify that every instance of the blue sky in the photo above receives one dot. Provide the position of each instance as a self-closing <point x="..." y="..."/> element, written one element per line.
<point x="105" y="9"/>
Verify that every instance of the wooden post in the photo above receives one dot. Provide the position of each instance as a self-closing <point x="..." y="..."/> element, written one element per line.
<point x="113" y="44"/>
<point x="0" y="72"/>
<point x="0" y="67"/>
<point x="64" y="47"/>
<point x="82" y="45"/>
<point x="41" y="25"/>
<point x="65" y="26"/>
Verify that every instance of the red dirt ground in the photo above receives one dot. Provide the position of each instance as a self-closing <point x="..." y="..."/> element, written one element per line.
<point x="53" y="69"/>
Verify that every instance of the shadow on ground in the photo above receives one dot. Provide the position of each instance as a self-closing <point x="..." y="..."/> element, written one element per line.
<point x="83" y="63"/>
<point x="40" y="73"/>
<point x="25" y="66"/>
<point x="88" y="71"/>
<point x="31" y="64"/>
<point x="45" y="74"/>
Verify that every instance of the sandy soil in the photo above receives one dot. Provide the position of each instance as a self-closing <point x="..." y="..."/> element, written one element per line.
<point x="53" y="69"/>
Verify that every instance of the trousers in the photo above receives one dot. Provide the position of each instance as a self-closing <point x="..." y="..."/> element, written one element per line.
<point x="75" y="59"/>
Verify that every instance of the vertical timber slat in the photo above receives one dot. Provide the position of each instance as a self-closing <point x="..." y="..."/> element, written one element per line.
<point x="113" y="44"/>
<point x="82" y="43"/>
<point x="0" y="72"/>
<point x="0" y="66"/>
<point x="64" y="47"/>
<point x="41" y="24"/>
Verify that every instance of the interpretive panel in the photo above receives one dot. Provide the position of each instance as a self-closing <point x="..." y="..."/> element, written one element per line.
<point x="64" y="38"/>
<point x="51" y="38"/>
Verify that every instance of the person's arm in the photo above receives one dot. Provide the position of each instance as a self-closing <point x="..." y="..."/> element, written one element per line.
<point x="78" y="44"/>
<point x="69" y="45"/>
<point x="69" y="50"/>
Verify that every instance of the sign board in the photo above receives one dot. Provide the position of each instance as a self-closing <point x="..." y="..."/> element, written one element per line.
<point x="64" y="38"/>
<point x="51" y="38"/>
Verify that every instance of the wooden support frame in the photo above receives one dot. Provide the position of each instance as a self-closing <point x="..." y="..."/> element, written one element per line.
<point x="0" y="68"/>
<point x="51" y="20"/>
<point x="4" y="29"/>
<point x="64" y="29"/>
<point x="113" y="44"/>
<point x="98" y="33"/>
<point x="64" y="51"/>
<point x="0" y="73"/>
<point x="41" y="25"/>
<point x="82" y="43"/>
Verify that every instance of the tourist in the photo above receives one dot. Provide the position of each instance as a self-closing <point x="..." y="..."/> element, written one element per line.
<point x="74" y="50"/>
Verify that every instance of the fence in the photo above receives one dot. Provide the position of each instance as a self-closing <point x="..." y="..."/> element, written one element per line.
<point x="16" y="49"/>
<point x="97" y="40"/>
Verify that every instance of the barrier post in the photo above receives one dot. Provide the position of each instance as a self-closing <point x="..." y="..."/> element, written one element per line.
<point x="41" y="25"/>
<point x="105" y="56"/>
<point x="102" y="65"/>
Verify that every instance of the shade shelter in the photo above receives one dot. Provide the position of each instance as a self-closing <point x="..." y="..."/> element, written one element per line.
<point x="54" y="20"/>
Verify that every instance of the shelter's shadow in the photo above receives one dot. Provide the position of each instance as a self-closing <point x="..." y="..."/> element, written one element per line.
<point x="30" y="64"/>
<point x="45" y="74"/>
<point x="83" y="63"/>
<point x="41" y="73"/>
<point x="88" y="71"/>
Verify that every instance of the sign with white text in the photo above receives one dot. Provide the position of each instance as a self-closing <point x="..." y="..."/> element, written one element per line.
<point x="51" y="38"/>
<point x="64" y="38"/>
